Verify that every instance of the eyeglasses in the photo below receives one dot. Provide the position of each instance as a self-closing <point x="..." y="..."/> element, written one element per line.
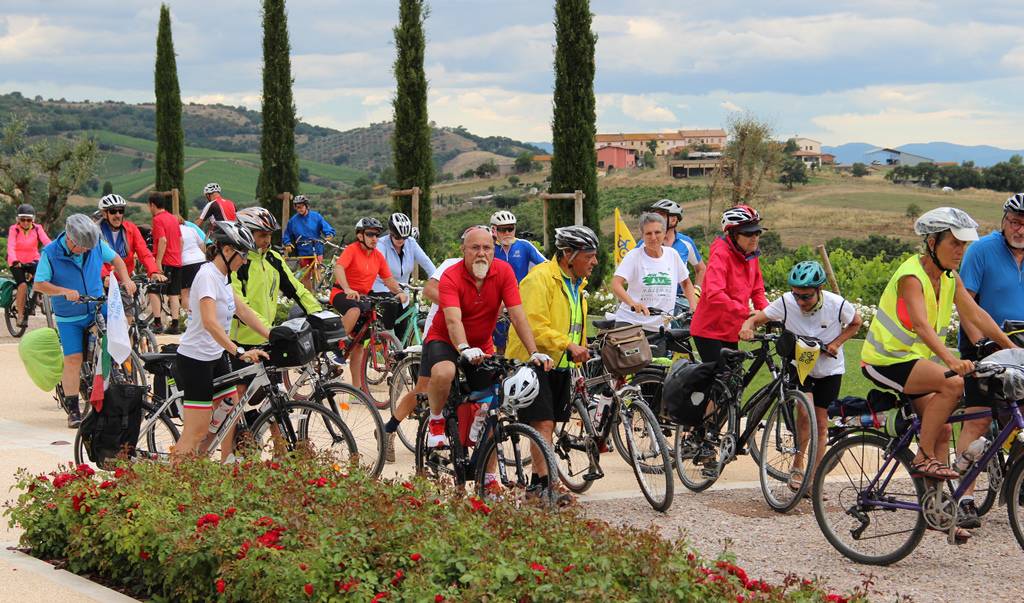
<point x="805" y="296"/>
<point x="506" y="228"/>
<point x="1014" y="224"/>
<point x="115" y="211"/>
<point x="750" y="234"/>
<point x="370" y="233"/>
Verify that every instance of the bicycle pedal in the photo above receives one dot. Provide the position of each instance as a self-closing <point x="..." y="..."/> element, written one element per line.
<point x="591" y="476"/>
<point x="709" y="472"/>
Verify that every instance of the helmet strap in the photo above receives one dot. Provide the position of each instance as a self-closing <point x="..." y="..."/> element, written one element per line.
<point x="935" y="257"/>
<point x="817" y="304"/>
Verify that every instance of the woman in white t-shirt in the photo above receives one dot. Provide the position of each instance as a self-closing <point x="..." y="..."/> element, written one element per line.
<point x="809" y="311"/>
<point x="204" y="348"/>
<point x="650" y="276"/>
<point x="193" y="254"/>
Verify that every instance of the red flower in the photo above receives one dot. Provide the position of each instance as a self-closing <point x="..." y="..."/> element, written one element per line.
<point x="344" y="587"/>
<point x="220" y="585"/>
<point x="63" y="479"/>
<point x="244" y="549"/>
<point x="538" y="567"/>
<point x="303" y="567"/>
<point x="273" y="464"/>
<point x="568" y="568"/>
<point x="407" y="485"/>
<point x="399" y="575"/>
<point x="107" y="484"/>
<point x="691" y="557"/>
<point x="438" y="599"/>
<point x="144" y="555"/>
<point x="479" y="505"/>
<point x="181" y="508"/>
<point x="377" y="598"/>
<point x="120" y="472"/>
<point x="415" y="557"/>
<point x="102" y="512"/>
<point x="308" y="589"/>
<point x="208" y="519"/>
<point x="264" y="521"/>
<point x="271" y="538"/>
<point x="77" y="501"/>
<point x="739" y="599"/>
<point x="85" y="470"/>
<point x="834" y="598"/>
<point x="43" y="478"/>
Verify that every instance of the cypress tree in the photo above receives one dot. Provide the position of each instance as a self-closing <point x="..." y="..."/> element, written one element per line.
<point x="573" y="126"/>
<point x="170" y="137"/>
<point x="410" y="143"/>
<point x="279" y="167"/>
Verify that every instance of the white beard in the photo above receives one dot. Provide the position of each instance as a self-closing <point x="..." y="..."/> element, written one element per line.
<point x="480" y="269"/>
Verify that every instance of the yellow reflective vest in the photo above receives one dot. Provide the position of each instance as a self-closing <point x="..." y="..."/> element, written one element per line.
<point x="890" y="339"/>
<point x="556" y="317"/>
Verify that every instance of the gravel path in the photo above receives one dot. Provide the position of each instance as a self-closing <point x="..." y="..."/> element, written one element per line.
<point x="768" y="545"/>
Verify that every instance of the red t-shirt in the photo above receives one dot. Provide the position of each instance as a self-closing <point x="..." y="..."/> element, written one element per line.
<point x="457" y="289"/>
<point x="361" y="269"/>
<point x="165" y="225"/>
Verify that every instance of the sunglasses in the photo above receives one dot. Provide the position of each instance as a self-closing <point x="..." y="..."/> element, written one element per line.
<point x="805" y="296"/>
<point x="506" y="229"/>
<point x="26" y="219"/>
<point x="371" y="234"/>
<point x="115" y="211"/>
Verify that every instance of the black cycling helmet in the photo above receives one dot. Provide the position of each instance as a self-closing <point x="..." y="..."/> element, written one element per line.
<point x="365" y="223"/>
<point x="226" y="232"/>
<point x="26" y="211"/>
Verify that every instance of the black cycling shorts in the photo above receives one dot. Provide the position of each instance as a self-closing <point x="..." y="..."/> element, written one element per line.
<point x="552" y="403"/>
<point x="23" y="272"/>
<point x="173" y="284"/>
<point x="893" y="376"/>
<point x="188" y="274"/>
<point x="823" y="389"/>
<point x="195" y="378"/>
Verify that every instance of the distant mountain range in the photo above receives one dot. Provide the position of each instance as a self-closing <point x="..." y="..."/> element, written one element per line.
<point x="981" y="155"/>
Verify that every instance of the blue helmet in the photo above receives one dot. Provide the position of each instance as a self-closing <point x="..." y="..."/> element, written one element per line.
<point x="807" y="274"/>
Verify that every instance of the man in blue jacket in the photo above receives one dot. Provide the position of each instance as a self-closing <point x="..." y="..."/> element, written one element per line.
<point x="522" y="255"/>
<point x="302" y="235"/>
<point x="70" y="267"/>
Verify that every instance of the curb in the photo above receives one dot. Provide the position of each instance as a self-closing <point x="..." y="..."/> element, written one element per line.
<point x="64" y="578"/>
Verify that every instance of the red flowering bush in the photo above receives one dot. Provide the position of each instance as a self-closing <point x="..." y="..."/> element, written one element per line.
<point x="304" y="529"/>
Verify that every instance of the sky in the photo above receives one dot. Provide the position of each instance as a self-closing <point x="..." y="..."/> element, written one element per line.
<point x="886" y="72"/>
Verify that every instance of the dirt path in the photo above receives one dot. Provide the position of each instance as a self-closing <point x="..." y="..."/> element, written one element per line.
<point x="151" y="186"/>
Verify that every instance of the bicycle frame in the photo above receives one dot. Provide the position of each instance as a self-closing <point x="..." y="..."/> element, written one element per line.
<point x="412" y="334"/>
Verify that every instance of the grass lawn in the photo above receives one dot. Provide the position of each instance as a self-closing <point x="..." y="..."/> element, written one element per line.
<point x="854" y="382"/>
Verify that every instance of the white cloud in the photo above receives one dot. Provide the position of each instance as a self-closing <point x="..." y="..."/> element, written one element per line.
<point x="642" y="108"/>
<point x="33" y="38"/>
<point x="730" y="106"/>
<point x="1014" y="59"/>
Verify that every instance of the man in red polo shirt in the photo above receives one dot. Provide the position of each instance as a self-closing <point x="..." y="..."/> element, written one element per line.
<point x="167" y="250"/>
<point x="471" y="294"/>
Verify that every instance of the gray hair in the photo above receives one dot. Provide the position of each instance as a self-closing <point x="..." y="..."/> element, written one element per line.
<point x="650" y="218"/>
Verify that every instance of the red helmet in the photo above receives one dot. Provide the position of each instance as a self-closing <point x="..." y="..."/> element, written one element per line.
<point x="741" y="218"/>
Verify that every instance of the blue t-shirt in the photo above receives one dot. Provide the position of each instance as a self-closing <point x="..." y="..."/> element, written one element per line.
<point x="991" y="272"/>
<point x="522" y="255"/>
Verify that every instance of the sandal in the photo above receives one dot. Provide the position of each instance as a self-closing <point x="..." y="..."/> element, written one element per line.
<point x="932" y="468"/>
<point x="796" y="479"/>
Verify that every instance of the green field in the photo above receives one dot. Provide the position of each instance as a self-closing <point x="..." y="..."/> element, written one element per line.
<point x="854" y="381"/>
<point x="897" y="201"/>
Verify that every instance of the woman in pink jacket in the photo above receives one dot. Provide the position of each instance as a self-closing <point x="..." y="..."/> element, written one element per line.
<point x="24" y="240"/>
<point x="732" y="281"/>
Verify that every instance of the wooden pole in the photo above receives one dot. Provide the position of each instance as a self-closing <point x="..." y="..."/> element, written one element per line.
<point x="174" y="202"/>
<point x="829" y="274"/>
<point x="578" y="202"/>
<point x="286" y="208"/>
<point x="544" y="214"/>
<point x="416" y="207"/>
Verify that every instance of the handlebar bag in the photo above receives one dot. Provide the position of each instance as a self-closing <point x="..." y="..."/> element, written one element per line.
<point x="327" y="330"/>
<point x="7" y="287"/>
<point x="625" y="350"/>
<point x="291" y="343"/>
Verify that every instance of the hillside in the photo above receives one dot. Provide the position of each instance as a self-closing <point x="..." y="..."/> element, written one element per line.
<point x="981" y="155"/>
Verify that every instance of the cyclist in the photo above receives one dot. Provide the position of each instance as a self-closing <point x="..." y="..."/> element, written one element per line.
<point x="302" y="235"/>
<point x="732" y="281"/>
<point x="684" y="245"/>
<point x="556" y="308"/>
<point x="205" y="347"/>
<point x="910" y="326"/>
<point x="809" y="310"/>
<point x="72" y="266"/>
<point x="520" y="254"/>
<point x="167" y="249"/>
<point x="991" y="273"/>
<point x="24" y="239"/>
<point x="217" y="207"/>
<point x="124" y="237"/>
<point x="193" y="256"/>
<point x="471" y="293"/>
<point x="265" y="278"/>
<point x="402" y="254"/>
<point x="654" y="274"/>
<point x="354" y="273"/>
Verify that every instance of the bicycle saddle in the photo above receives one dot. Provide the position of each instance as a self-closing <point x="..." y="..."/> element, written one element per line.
<point x="601" y="325"/>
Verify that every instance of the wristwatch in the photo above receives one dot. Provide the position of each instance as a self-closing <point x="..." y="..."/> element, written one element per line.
<point x="239" y="350"/>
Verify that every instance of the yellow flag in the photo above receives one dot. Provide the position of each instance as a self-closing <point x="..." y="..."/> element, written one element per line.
<point x="624" y="241"/>
<point x="806" y="357"/>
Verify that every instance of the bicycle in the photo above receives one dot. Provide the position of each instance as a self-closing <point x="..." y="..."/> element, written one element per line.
<point x="379" y="347"/>
<point x="320" y="269"/>
<point x="505" y="443"/>
<point x="17" y="325"/>
<point x="139" y="331"/>
<point x="578" y="442"/>
<point x="868" y="472"/>
<point x="702" y="451"/>
<point x="402" y="380"/>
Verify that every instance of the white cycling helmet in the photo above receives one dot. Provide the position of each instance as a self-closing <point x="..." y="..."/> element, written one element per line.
<point x="211" y="188"/>
<point x="668" y="206"/>
<point x="952" y="219"/>
<point x="401" y="225"/>
<point x="503" y="218"/>
<point x="415" y="233"/>
<point x="520" y="388"/>
<point x="1015" y="203"/>
<point x="111" y="200"/>
<point x="741" y="218"/>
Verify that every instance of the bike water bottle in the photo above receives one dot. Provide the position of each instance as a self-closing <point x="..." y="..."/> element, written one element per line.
<point x="869" y="420"/>
<point x="484" y="398"/>
<point x="973" y="453"/>
<point x="604" y="402"/>
<point x="222" y="411"/>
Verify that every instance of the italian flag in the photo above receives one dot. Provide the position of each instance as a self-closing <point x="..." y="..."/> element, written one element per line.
<point x="101" y="375"/>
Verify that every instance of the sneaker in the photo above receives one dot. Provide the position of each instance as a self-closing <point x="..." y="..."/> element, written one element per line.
<point x="173" y="327"/>
<point x="156" y="327"/>
<point x="74" y="418"/>
<point x="968" y="517"/>
<point x="437" y="436"/>
<point x="492" y="489"/>
<point x="389" y="448"/>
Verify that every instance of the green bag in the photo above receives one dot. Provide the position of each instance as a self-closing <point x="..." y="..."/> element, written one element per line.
<point x="7" y="287"/>
<point x="43" y="357"/>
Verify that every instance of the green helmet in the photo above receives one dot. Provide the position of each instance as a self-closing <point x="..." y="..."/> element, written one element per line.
<point x="807" y="274"/>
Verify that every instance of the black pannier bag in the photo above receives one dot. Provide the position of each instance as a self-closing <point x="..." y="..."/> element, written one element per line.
<point x="878" y="401"/>
<point x="115" y="428"/>
<point x="684" y="395"/>
<point x="291" y="343"/>
<point x="164" y="375"/>
<point x="327" y="330"/>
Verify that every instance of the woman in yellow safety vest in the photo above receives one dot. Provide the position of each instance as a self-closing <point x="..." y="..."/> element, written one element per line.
<point x="907" y="336"/>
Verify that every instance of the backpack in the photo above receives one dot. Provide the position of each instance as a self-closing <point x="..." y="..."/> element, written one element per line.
<point x="114" y="428"/>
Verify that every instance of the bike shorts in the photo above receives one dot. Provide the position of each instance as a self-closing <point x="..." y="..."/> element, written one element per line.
<point x="173" y="284"/>
<point x="893" y="376"/>
<point x="24" y="272"/>
<point x="188" y="274"/>
<point x="195" y="378"/>
<point x="73" y="333"/>
<point x="441" y="351"/>
<point x="823" y="389"/>
<point x="552" y="403"/>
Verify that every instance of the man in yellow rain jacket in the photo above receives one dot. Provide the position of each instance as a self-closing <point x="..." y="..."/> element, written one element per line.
<point x="556" y="309"/>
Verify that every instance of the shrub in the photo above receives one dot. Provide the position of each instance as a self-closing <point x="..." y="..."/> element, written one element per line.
<point x="307" y="529"/>
<point x="913" y="211"/>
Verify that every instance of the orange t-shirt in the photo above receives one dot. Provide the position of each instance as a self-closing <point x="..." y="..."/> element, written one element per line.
<point x="361" y="269"/>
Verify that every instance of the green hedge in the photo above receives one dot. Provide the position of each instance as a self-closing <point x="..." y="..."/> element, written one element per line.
<point x="307" y="529"/>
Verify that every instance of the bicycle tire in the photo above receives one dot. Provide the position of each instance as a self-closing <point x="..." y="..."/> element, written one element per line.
<point x="514" y="434"/>
<point x="574" y="435"/>
<point x="361" y="417"/>
<point x="752" y="447"/>
<point x="153" y="443"/>
<point x="342" y="444"/>
<point x="687" y="444"/>
<point x="403" y="380"/>
<point x="380" y="348"/>
<point x="438" y="464"/>
<point x="656" y="450"/>
<point x="650" y="383"/>
<point x="1014" y="504"/>
<point x="780" y="437"/>
<point x="14" y="326"/>
<point x="852" y="491"/>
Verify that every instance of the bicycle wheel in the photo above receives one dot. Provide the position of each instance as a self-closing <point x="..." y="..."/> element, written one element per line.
<point x="403" y="380"/>
<point x="438" y="463"/>
<point x="513" y="472"/>
<point x="722" y="425"/>
<point x="377" y="364"/>
<point x="652" y="464"/>
<point x="851" y="519"/>
<point x="781" y="442"/>
<point x="755" y="436"/>
<point x="362" y="418"/>
<point x="1015" y="499"/>
<point x="155" y="442"/>
<point x="650" y="383"/>
<point x="14" y="326"/>
<point x="143" y="340"/>
<point x="572" y="440"/>
<point x="303" y="425"/>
